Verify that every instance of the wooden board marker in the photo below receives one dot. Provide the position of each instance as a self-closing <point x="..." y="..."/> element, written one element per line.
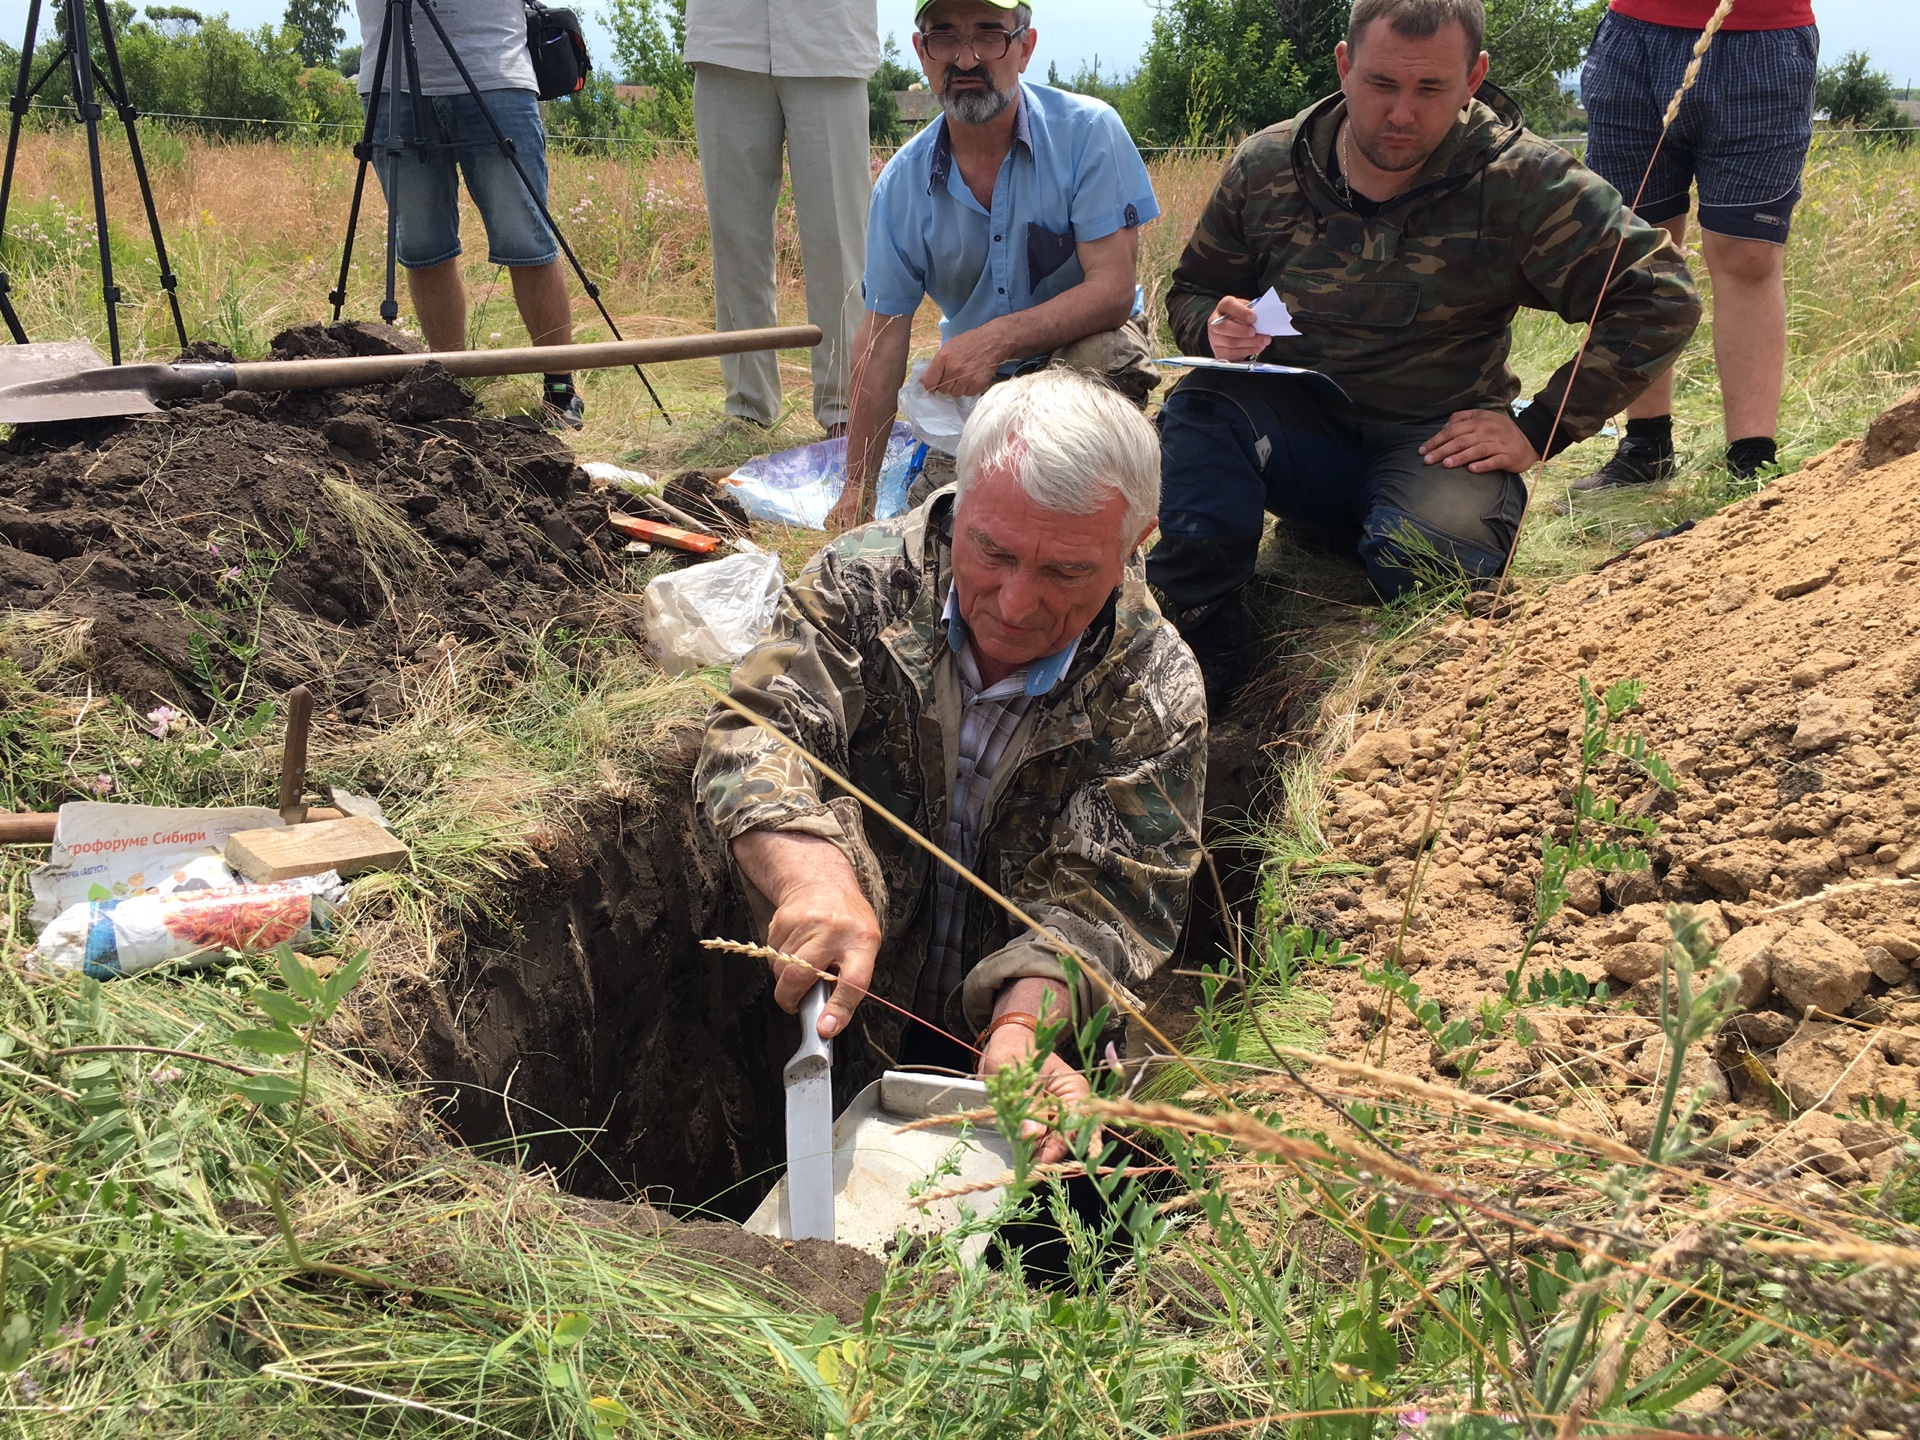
<point x="351" y="846"/>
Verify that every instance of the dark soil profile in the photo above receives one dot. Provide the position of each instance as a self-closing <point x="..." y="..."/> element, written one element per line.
<point x="390" y="513"/>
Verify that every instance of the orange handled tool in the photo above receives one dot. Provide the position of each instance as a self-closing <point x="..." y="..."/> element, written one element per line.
<point x="652" y="531"/>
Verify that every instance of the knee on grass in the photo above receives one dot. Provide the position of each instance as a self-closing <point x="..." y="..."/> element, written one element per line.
<point x="1402" y="553"/>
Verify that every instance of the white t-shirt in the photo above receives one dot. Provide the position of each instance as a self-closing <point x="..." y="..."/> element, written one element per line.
<point x="785" y="37"/>
<point x="490" y="37"/>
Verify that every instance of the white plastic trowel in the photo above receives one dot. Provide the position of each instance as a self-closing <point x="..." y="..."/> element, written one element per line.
<point x="854" y="1179"/>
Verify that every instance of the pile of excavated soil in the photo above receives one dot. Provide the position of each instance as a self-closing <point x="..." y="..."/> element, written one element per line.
<point x="1779" y="643"/>
<point x="390" y="513"/>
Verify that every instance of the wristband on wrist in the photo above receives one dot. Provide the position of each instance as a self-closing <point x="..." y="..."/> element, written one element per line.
<point x="1012" y="1017"/>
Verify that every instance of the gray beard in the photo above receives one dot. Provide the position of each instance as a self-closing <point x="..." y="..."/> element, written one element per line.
<point x="977" y="107"/>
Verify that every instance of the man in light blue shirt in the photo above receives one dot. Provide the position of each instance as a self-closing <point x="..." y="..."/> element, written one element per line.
<point x="1018" y="212"/>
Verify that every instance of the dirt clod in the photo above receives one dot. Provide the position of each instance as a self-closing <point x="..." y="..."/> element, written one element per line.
<point x="1812" y="966"/>
<point x="429" y="393"/>
<point x="1895" y="432"/>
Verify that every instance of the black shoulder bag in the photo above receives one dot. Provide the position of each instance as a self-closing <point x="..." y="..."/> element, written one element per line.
<point x="560" y="60"/>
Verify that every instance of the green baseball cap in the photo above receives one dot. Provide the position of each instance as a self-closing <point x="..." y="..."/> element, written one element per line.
<point x="926" y="5"/>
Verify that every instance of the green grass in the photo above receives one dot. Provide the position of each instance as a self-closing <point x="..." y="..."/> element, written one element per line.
<point x="1316" y="1256"/>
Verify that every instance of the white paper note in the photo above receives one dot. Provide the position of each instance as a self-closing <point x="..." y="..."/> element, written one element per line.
<point x="1270" y="315"/>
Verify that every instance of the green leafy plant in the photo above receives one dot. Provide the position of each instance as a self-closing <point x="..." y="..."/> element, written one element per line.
<point x="1689" y="1016"/>
<point x="1596" y="841"/>
<point x="229" y="637"/>
<point x="296" y="1020"/>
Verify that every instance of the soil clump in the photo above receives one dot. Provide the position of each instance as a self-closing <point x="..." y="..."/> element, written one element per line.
<point x="187" y="545"/>
<point x="1779" y="643"/>
<point x="820" y="1275"/>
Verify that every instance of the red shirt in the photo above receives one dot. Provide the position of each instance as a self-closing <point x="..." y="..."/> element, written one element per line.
<point x="1694" y="14"/>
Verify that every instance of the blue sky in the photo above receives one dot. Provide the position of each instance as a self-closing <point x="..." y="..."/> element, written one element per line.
<point x="1073" y="31"/>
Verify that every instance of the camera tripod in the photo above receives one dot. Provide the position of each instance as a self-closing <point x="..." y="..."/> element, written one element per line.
<point x="87" y="81"/>
<point x="396" y="77"/>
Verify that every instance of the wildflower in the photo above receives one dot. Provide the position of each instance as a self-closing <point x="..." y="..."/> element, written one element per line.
<point x="213" y="547"/>
<point x="103" y="784"/>
<point x="165" y="1074"/>
<point x="1412" y="1422"/>
<point x="29" y="1386"/>
<point x="163" y="718"/>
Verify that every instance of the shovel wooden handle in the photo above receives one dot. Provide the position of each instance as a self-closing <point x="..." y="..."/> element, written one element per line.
<point x="525" y="360"/>
<point x="27" y="829"/>
<point x="90" y="392"/>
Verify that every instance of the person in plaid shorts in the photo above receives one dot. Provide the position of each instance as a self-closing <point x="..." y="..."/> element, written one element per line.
<point x="1741" y="139"/>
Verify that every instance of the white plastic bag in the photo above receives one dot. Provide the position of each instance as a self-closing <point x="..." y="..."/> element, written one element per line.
<point x="618" y="477"/>
<point x="799" y="486"/>
<point x="711" y="614"/>
<point x="110" y="938"/>
<point x="936" y="419"/>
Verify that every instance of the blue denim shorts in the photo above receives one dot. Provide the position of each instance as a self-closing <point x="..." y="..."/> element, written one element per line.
<point x="428" y="202"/>
<point x="1741" y="134"/>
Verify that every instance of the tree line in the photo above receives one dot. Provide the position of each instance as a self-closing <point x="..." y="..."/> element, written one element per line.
<point x="182" y="62"/>
<point x="1213" y="70"/>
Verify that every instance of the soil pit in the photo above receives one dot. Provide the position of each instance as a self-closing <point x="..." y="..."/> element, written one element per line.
<point x="391" y="513"/>
<point x="1779" y="643"/>
<point x="600" y="1014"/>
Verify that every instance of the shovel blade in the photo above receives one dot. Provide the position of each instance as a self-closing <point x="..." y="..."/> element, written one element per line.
<point x="809" y="1084"/>
<point x="26" y="369"/>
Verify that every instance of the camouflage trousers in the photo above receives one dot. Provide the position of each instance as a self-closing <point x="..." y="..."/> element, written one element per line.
<point x="1121" y="358"/>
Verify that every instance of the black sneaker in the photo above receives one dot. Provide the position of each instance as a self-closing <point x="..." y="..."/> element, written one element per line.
<point x="562" y="408"/>
<point x="1635" y="461"/>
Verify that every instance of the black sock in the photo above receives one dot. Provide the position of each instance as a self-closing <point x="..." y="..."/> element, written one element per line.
<point x="559" y="388"/>
<point x="1656" y="428"/>
<point x="1747" y="458"/>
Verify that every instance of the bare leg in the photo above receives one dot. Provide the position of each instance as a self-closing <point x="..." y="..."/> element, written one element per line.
<point x="1657" y="398"/>
<point x="440" y="301"/>
<point x="540" y="293"/>
<point x="1749" y="330"/>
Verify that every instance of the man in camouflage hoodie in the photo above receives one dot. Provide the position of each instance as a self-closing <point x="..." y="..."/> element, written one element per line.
<point x="1403" y="221"/>
<point x="990" y="668"/>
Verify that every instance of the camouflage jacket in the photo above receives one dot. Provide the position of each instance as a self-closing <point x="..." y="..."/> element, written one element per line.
<point x="1410" y="311"/>
<point x="1091" y="825"/>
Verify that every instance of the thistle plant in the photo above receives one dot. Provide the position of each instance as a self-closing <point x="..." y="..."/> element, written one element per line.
<point x="1689" y="1016"/>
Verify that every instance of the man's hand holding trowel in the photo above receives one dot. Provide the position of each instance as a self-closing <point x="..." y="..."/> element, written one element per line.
<point x="820" y="916"/>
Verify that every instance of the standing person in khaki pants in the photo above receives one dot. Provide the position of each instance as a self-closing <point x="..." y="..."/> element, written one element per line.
<point x="768" y="74"/>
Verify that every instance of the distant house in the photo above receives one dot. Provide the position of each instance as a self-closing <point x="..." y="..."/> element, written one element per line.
<point x="634" y="94"/>
<point x="917" y="107"/>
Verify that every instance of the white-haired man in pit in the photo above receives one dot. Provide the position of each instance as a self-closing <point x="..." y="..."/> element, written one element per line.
<point x="991" y="669"/>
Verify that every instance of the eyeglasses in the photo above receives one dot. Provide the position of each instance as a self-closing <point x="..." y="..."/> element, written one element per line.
<point x="988" y="43"/>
